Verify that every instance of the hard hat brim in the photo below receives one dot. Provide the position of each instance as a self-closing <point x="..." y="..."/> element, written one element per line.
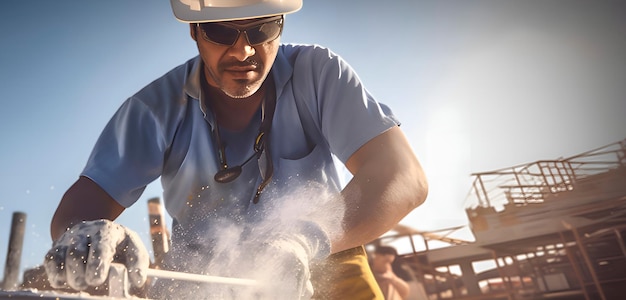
<point x="184" y="13"/>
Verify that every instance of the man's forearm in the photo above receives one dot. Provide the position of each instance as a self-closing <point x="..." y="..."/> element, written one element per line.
<point x="388" y="183"/>
<point x="374" y="205"/>
<point x="400" y="285"/>
<point x="84" y="200"/>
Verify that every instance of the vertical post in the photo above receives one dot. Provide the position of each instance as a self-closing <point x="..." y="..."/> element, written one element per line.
<point x="484" y="191"/>
<point x="621" y="153"/>
<point x="575" y="267"/>
<point x="566" y="180"/>
<point x="450" y="277"/>
<point x="572" y="174"/>
<point x="412" y="243"/>
<point x="539" y="279"/>
<point x="543" y="173"/>
<point x="14" y="253"/>
<point x="585" y="255"/>
<point x="620" y="241"/>
<point x="158" y="231"/>
<point x="521" y="186"/>
<point x="506" y="280"/>
<point x="469" y="278"/>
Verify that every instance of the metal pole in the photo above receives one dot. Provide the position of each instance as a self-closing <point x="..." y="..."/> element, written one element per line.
<point x="521" y="186"/>
<point x="158" y="231"/>
<point x="412" y="243"/>
<point x="484" y="191"/>
<point x="620" y="241"/>
<point x="14" y="253"/>
<point x="585" y="255"/>
<point x="538" y="271"/>
<point x="469" y="278"/>
<point x="574" y="264"/>
<point x="505" y="279"/>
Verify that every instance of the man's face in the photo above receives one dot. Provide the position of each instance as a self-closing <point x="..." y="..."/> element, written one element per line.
<point x="380" y="261"/>
<point x="238" y="69"/>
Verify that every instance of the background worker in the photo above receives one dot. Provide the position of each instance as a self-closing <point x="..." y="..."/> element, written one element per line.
<point x="243" y="138"/>
<point x="392" y="286"/>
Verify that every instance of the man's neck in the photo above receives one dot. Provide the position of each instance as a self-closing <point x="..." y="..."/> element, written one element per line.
<point x="234" y="114"/>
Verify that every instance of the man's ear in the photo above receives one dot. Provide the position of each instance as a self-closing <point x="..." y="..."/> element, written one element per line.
<point x="193" y="30"/>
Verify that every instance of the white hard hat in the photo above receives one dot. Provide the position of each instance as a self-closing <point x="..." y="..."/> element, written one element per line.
<point x="199" y="11"/>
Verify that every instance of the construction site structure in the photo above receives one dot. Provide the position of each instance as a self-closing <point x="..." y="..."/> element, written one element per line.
<point x="551" y="229"/>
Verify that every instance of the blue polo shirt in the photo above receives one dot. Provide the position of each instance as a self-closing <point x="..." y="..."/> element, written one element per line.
<point x="165" y="130"/>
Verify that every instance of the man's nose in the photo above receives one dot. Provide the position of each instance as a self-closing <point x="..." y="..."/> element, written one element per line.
<point x="242" y="50"/>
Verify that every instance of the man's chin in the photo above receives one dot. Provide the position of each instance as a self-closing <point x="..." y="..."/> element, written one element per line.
<point x="242" y="89"/>
<point x="240" y="93"/>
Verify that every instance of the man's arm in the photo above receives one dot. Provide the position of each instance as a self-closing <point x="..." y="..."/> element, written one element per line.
<point x="388" y="182"/>
<point x="83" y="201"/>
<point x="401" y="286"/>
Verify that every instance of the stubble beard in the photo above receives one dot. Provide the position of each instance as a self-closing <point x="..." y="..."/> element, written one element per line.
<point x="243" y="90"/>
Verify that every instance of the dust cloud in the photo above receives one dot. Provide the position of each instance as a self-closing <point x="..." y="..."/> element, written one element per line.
<point x="276" y="250"/>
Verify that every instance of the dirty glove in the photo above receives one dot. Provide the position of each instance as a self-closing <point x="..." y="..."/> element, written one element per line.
<point x="81" y="257"/>
<point x="282" y="263"/>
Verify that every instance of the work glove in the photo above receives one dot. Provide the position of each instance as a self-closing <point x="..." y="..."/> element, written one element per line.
<point x="81" y="257"/>
<point x="282" y="262"/>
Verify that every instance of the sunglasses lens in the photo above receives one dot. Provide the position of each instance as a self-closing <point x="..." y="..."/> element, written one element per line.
<point x="220" y="34"/>
<point x="264" y="33"/>
<point x="258" y="34"/>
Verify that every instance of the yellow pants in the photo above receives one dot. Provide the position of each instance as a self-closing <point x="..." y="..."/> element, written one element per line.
<point x="345" y="275"/>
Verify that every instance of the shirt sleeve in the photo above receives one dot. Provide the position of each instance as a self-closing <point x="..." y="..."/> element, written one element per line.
<point x="347" y="115"/>
<point x="128" y="154"/>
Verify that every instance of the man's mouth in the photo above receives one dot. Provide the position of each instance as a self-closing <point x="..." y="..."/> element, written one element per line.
<point x="240" y="70"/>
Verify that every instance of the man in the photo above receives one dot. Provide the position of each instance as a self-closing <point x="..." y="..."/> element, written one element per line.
<point x="392" y="286"/>
<point x="243" y="138"/>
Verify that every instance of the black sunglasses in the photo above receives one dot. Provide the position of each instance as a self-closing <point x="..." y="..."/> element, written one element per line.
<point x="227" y="33"/>
<point x="261" y="149"/>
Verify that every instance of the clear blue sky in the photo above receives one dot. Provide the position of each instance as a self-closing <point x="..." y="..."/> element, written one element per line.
<point x="479" y="85"/>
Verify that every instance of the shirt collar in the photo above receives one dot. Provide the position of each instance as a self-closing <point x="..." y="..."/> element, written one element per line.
<point x="192" y="84"/>
<point x="282" y="71"/>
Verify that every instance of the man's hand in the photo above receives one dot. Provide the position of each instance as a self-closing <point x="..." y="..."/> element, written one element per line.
<point x="281" y="262"/>
<point x="282" y="267"/>
<point x="81" y="257"/>
<point x="388" y="274"/>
